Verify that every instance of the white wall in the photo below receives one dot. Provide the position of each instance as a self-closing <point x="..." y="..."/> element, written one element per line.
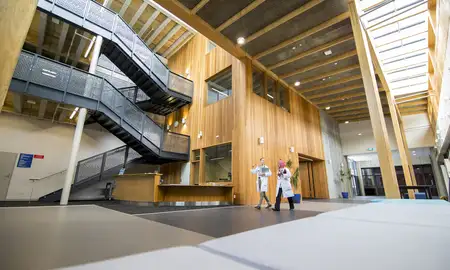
<point x="333" y="153"/>
<point x="19" y="134"/>
<point x="417" y="130"/>
<point x="443" y="121"/>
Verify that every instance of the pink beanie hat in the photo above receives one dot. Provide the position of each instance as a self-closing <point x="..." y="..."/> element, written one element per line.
<point x="281" y="164"/>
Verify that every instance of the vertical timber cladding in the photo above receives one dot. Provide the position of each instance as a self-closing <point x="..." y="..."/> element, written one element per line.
<point x="244" y="117"/>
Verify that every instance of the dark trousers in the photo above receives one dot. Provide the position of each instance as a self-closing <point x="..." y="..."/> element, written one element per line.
<point x="278" y="201"/>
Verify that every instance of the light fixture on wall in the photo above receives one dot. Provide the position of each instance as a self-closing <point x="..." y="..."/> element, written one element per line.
<point x="291" y="149"/>
<point x="187" y="72"/>
<point x="176" y="124"/>
<point x="241" y="40"/>
<point x="261" y="140"/>
<point x="168" y="127"/>
<point x="217" y="136"/>
<point x="183" y="121"/>
<point x="200" y="134"/>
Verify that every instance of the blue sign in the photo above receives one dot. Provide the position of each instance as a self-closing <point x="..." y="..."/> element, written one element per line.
<point x="25" y="160"/>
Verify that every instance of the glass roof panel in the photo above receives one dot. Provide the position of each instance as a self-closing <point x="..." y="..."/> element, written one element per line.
<point x="401" y="41"/>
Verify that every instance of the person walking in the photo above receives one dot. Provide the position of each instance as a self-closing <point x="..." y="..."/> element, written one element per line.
<point x="262" y="173"/>
<point x="284" y="187"/>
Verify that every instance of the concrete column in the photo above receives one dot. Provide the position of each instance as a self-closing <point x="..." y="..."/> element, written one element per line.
<point x="73" y="156"/>
<point x="15" y="20"/>
<point x="79" y="129"/>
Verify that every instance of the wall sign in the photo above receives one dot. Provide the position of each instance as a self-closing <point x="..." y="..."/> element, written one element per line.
<point x="39" y="156"/>
<point x="25" y="160"/>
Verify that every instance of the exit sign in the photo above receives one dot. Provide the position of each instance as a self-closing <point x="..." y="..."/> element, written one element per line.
<point x="371" y="149"/>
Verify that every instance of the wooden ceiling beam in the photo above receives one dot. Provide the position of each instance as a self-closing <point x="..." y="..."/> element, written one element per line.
<point x="336" y="91"/>
<point x="199" y="6"/>
<point x="413" y="103"/>
<point x="329" y="74"/>
<point x="185" y="37"/>
<point x="158" y="31"/>
<point x="412" y="97"/>
<point x="124" y="7"/>
<point x="319" y="64"/>
<point x="166" y="38"/>
<point x="325" y="85"/>
<point x="357" y="112"/>
<point x="313" y="50"/>
<point x="305" y="34"/>
<point x="284" y="19"/>
<point x="359" y="117"/>
<point x="138" y="14"/>
<point x="148" y="23"/>
<point x="413" y="109"/>
<point x="340" y="97"/>
<point x="240" y="14"/>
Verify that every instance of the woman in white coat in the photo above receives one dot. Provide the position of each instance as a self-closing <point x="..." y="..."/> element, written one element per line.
<point x="262" y="173"/>
<point x="284" y="187"/>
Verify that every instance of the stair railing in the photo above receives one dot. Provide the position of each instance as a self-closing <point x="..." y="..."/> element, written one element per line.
<point x="105" y="22"/>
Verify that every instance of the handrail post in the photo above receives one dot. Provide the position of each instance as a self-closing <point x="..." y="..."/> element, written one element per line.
<point x="102" y="168"/>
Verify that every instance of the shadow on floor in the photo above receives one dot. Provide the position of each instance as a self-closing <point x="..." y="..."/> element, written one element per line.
<point x="227" y="221"/>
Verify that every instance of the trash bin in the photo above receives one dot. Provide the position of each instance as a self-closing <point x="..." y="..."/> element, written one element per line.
<point x="297" y="198"/>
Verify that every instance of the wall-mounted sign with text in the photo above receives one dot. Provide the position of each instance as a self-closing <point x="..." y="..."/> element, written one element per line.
<point x="25" y="160"/>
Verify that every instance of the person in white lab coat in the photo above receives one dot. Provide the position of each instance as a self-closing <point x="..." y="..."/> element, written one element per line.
<point x="284" y="187"/>
<point x="262" y="173"/>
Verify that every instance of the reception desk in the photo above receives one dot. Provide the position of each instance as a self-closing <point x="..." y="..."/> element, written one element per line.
<point x="146" y="188"/>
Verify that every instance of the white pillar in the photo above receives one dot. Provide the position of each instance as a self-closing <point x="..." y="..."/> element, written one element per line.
<point x="73" y="156"/>
<point x="79" y="129"/>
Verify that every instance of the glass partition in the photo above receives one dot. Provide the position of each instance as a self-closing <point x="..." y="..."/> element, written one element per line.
<point x="218" y="163"/>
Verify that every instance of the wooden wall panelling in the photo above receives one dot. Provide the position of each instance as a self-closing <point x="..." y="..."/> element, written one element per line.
<point x="244" y="117"/>
<point x="171" y="172"/>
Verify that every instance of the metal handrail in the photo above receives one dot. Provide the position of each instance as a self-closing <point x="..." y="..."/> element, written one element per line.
<point x="129" y="38"/>
<point x="139" y="117"/>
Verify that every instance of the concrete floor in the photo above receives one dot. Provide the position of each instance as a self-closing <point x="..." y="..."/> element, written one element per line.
<point x="47" y="237"/>
<point x="52" y="236"/>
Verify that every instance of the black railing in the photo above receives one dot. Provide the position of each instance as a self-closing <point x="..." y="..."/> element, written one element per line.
<point x="66" y="84"/>
<point x="102" y="21"/>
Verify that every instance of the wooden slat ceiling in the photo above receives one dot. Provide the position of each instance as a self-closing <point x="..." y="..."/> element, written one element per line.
<point x="289" y="38"/>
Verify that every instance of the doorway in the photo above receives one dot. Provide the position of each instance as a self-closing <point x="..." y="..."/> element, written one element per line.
<point x="306" y="177"/>
<point x="7" y="161"/>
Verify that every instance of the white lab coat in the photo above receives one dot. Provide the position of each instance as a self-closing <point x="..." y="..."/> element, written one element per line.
<point x="264" y="179"/>
<point x="284" y="181"/>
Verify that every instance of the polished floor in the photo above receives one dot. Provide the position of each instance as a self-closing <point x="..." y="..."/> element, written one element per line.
<point x="47" y="237"/>
<point x="52" y="236"/>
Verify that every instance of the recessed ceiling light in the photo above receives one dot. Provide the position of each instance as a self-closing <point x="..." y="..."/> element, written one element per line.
<point x="294" y="48"/>
<point x="347" y="122"/>
<point x="335" y="63"/>
<point x="241" y="40"/>
<point x="329" y="52"/>
<point x="359" y="134"/>
<point x="323" y="79"/>
<point x="300" y="45"/>
<point x="414" y="151"/>
<point x="327" y="108"/>
<point x="414" y="154"/>
<point x="297" y="83"/>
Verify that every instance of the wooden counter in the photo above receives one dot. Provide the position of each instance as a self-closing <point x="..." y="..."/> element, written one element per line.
<point x="141" y="187"/>
<point x="146" y="188"/>
<point x="195" y="193"/>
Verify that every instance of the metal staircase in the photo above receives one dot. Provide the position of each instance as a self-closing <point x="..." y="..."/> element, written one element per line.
<point x="42" y="77"/>
<point x="93" y="170"/>
<point x="167" y="90"/>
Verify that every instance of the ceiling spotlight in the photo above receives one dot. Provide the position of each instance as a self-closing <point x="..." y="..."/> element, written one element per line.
<point x="347" y="122"/>
<point x="329" y="52"/>
<point x="323" y="79"/>
<point x="294" y="48"/>
<point x="241" y="40"/>
<point x="297" y="83"/>
<point x="327" y="108"/>
<point x="359" y="134"/>
<point x="300" y="45"/>
<point x="414" y="151"/>
<point x="335" y="63"/>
